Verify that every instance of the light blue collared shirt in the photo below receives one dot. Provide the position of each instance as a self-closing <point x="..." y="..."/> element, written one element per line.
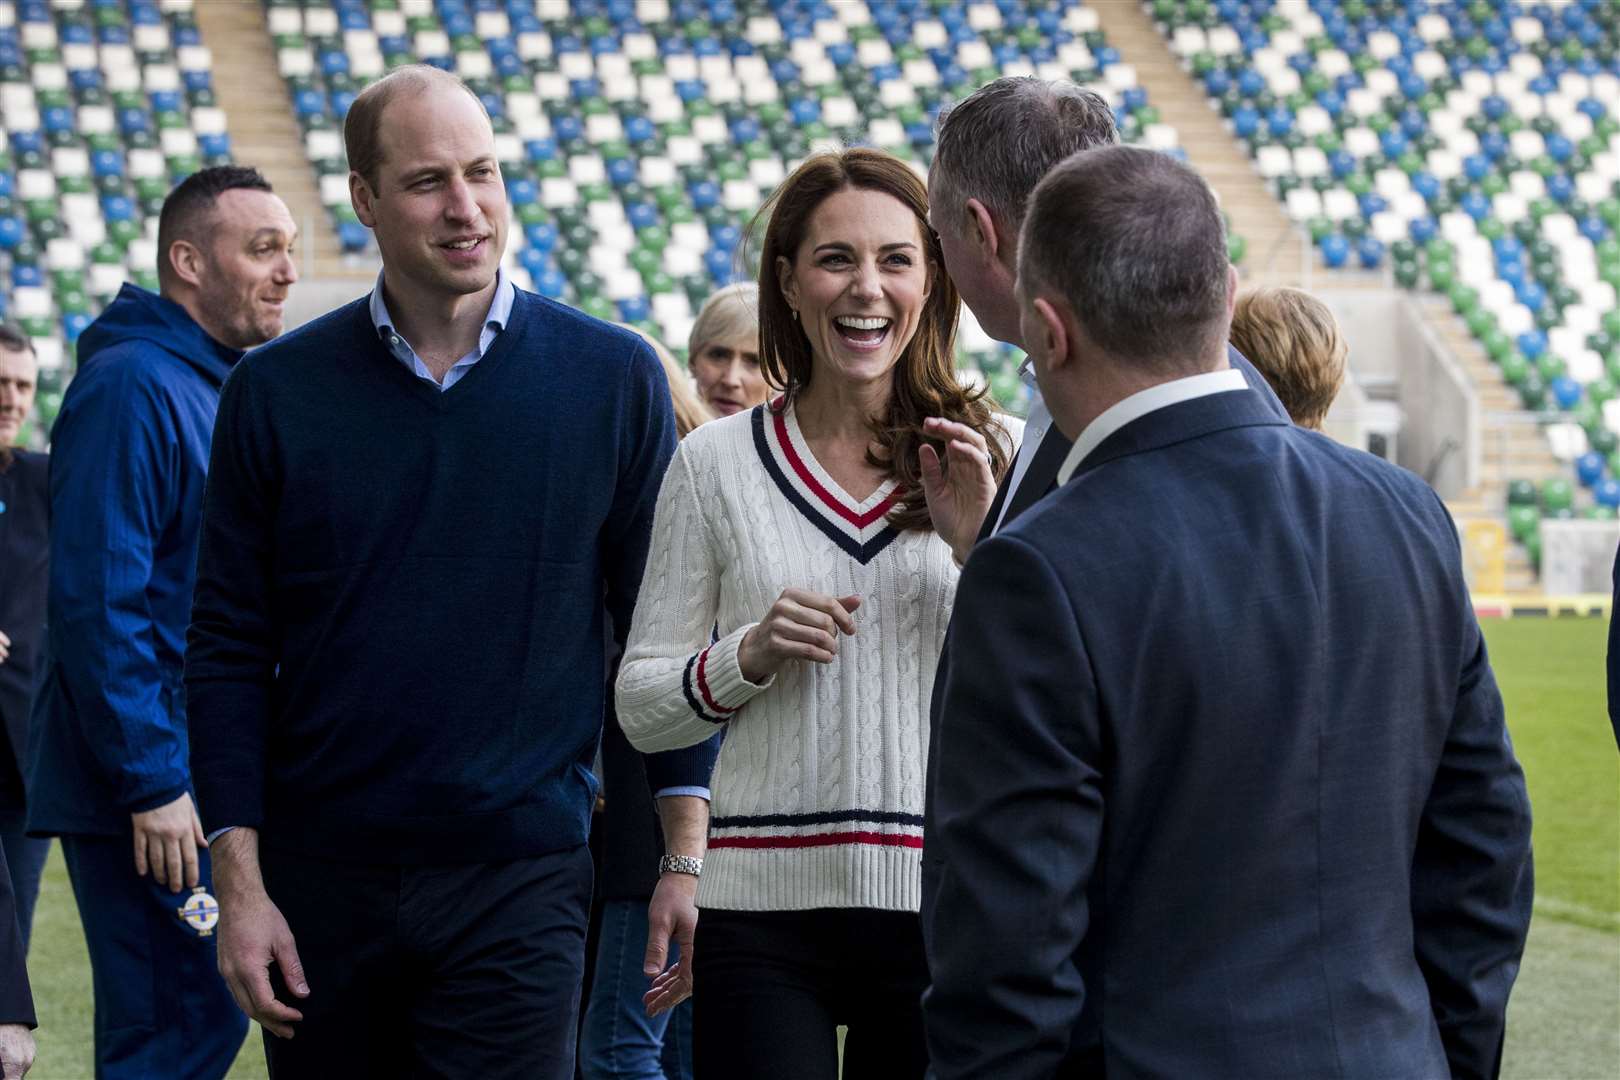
<point x="500" y="311"/>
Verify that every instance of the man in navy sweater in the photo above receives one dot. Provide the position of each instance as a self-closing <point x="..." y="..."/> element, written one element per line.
<point x="395" y="674"/>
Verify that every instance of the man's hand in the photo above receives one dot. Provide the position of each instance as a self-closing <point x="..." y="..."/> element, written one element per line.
<point x="960" y="489"/>
<point x="253" y="935"/>
<point x="673" y="913"/>
<point x="5" y="651"/>
<point x="671" y="916"/>
<point x="16" y="1051"/>
<point x="166" y="841"/>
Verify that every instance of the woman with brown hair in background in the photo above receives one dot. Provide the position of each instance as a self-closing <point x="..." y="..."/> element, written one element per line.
<point x="797" y="594"/>
<point x="620" y="1038"/>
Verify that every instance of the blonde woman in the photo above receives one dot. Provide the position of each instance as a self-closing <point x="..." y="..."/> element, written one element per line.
<point x="723" y="350"/>
<point x="1293" y="338"/>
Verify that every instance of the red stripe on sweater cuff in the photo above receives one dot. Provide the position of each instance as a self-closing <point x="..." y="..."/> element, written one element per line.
<point x="703" y="686"/>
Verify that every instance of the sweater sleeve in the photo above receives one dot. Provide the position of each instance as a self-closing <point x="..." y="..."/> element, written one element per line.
<point x="685" y="771"/>
<point x="676" y="683"/>
<point x="112" y="498"/>
<point x="230" y="648"/>
<point x="646" y="441"/>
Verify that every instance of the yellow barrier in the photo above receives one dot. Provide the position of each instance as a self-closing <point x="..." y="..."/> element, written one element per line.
<point x="1485" y="556"/>
<point x="1579" y="606"/>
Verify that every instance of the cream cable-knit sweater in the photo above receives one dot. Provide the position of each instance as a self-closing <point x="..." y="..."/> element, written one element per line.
<point x="818" y="793"/>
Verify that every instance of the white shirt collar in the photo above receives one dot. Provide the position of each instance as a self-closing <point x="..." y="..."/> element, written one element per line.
<point x="1143" y="402"/>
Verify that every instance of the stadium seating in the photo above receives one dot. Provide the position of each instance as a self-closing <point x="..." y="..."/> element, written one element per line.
<point x="639" y="137"/>
<point x="1473" y="149"/>
<point x="105" y="105"/>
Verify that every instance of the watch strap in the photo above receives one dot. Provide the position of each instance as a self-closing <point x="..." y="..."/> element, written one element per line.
<point x="681" y="864"/>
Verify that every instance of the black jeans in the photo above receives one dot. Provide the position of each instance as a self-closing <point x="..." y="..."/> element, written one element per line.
<point x="770" y="988"/>
<point x="433" y="971"/>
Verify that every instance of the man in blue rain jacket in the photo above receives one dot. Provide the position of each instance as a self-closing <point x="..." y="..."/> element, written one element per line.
<point x="108" y="750"/>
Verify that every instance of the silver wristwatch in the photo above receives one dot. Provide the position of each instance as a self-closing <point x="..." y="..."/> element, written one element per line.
<point x="681" y="864"/>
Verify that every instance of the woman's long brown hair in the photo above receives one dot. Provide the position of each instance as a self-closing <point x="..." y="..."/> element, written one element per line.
<point x="925" y="382"/>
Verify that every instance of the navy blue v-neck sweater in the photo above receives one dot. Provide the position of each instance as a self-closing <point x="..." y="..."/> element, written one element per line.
<point x="396" y="653"/>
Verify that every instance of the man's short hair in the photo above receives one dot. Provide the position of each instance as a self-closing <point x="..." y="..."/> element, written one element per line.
<point x="1132" y="240"/>
<point x="997" y="143"/>
<point x="362" y="127"/>
<point x="1293" y="339"/>
<point x="13" y="339"/>
<point x="188" y="211"/>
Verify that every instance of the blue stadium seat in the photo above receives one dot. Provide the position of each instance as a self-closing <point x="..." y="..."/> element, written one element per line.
<point x="353" y="236"/>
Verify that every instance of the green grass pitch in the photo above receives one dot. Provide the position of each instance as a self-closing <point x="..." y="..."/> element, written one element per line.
<point x="1564" y="1021"/>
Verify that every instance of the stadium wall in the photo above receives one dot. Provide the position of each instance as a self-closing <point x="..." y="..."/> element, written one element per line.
<point x="1410" y="392"/>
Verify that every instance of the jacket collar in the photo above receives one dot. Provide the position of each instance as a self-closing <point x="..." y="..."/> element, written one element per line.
<point x="1140" y="404"/>
<point x="1181" y="422"/>
<point x="136" y="313"/>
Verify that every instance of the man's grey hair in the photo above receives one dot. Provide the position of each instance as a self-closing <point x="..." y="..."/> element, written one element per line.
<point x="1133" y="242"/>
<point x="997" y="143"/>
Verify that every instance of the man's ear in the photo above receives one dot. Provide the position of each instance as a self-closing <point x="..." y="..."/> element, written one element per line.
<point x="361" y="197"/>
<point x="187" y="261"/>
<point x="1054" y="334"/>
<point x="982" y="226"/>
<point x="784" y="279"/>
<point x="1231" y="291"/>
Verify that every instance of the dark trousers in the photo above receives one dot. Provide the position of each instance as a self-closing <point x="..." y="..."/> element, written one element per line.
<point x="770" y="988"/>
<point x="433" y="971"/>
<point x="26" y="857"/>
<point x="162" y="1010"/>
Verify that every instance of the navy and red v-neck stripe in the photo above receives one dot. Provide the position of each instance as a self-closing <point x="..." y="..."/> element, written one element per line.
<point x="862" y="530"/>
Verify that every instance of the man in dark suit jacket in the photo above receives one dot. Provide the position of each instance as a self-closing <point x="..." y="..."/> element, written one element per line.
<point x="1224" y="783"/>
<point x="993" y="147"/>
<point x="25" y="510"/>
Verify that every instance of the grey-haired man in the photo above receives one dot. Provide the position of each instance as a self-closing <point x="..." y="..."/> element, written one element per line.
<point x="992" y="149"/>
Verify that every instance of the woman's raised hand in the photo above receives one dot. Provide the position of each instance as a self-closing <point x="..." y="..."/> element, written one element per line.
<point x="801" y="625"/>
<point x="960" y="488"/>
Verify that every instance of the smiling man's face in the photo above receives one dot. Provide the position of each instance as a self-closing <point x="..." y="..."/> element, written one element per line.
<point x="439" y="209"/>
<point x="249" y="267"/>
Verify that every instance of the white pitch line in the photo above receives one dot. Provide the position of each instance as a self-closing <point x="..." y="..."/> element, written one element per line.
<point x="1553" y="906"/>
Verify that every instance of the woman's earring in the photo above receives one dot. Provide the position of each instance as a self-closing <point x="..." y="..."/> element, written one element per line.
<point x="795" y="314"/>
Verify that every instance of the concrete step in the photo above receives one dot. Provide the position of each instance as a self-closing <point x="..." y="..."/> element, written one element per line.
<point x="1274" y="247"/>
<point x="249" y="87"/>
